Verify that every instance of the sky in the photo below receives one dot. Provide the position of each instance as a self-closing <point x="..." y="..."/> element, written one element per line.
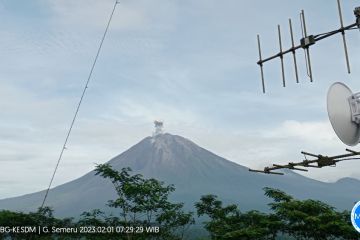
<point x="189" y="63"/>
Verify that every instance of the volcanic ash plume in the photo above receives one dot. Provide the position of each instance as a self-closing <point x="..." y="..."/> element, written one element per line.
<point x="158" y="128"/>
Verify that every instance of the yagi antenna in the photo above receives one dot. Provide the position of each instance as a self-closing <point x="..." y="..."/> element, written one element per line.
<point x="305" y="42"/>
<point x="319" y="161"/>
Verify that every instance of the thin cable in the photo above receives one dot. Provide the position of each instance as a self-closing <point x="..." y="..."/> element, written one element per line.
<point x="79" y="104"/>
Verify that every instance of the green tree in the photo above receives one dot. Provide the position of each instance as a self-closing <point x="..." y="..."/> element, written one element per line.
<point x="310" y="219"/>
<point x="229" y="223"/>
<point x="290" y="219"/>
<point x="144" y="203"/>
<point x="41" y="218"/>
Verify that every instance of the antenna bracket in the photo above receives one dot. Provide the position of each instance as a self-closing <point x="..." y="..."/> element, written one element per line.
<point x="307" y="41"/>
<point x="354" y="101"/>
<point x="357" y="15"/>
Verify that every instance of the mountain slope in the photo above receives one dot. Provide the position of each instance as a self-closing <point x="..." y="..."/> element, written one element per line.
<point x="194" y="171"/>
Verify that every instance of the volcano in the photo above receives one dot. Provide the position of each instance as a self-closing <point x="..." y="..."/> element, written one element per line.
<point x="194" y="171"/>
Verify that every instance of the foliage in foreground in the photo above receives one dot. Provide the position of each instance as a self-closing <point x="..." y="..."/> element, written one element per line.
<point x="290" y="218"/>
<point x="144" y="212"/>
<point x="143" y="204"/>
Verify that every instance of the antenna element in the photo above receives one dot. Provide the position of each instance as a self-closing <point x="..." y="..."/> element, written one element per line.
<point x="305" y="43"/>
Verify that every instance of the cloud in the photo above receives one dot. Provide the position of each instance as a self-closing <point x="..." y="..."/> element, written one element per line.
<point x="93" y="14"/>
<point x="191" y="64"/>
<point x="283" y="144"/>
<point x="82" y="14"/>
<point x="314" y="132"/>
<point x="264" y="146"/>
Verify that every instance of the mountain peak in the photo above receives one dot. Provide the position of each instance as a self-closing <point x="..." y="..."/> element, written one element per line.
<point x="167" y="154"/>
<point x="348" y="180"/>
<point x="194" y="171"/>
<point x="166" y="140"/>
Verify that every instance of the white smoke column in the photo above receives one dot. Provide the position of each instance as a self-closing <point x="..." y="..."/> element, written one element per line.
<point x="158" y="128"/>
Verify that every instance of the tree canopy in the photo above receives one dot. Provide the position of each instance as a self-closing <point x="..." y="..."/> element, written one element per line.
<point x="289" y="219"/>
<point x="142" y="210"/>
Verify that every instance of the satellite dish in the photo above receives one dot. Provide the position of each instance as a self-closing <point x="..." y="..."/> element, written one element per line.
<point x="339" y="107"/>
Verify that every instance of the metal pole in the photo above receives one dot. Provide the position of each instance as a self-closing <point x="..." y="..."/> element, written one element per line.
<point x="281" y="57"/>
<point x="343" y="37"/>
<point x="293" y="51"/>
<point x="261" y="65"/>
<point x="307" y="49"/>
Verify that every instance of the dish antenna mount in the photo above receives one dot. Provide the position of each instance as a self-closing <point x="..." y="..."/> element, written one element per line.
<point x="305" y="42"/>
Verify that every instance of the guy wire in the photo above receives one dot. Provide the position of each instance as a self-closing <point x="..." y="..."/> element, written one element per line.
<point x="79" y="104"/>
